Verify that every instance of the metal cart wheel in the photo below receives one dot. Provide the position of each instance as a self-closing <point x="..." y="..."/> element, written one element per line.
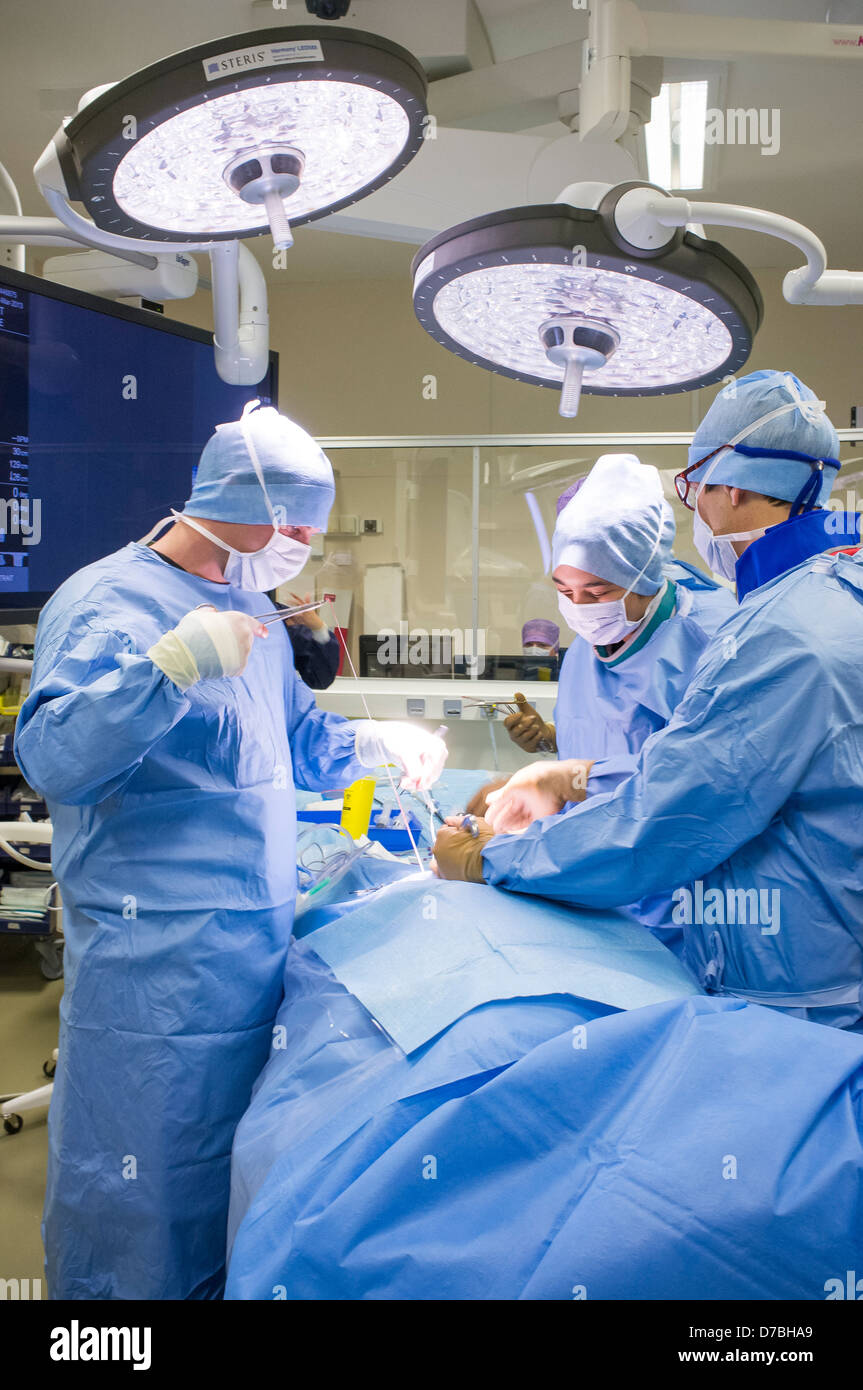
<point x="12" y="1123"/>
<point x="49" y="1067"/>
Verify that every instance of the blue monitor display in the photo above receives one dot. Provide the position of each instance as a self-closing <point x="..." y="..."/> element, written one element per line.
<point x="104" y="411"/>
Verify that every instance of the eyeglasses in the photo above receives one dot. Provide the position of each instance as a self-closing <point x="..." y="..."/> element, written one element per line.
<point x="684" y="483"/>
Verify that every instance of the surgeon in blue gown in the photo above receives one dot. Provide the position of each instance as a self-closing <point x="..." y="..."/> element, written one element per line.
<point x="748" y="805"/>
<point x="166" y="729"/>
<point x="641" y="620"/>
<point x="641" y="617"/>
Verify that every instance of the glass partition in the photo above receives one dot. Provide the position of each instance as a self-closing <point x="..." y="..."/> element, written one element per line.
<point x="519" y="489"/>
<point x="435" y="547"/>
<point x="398" y="557"/>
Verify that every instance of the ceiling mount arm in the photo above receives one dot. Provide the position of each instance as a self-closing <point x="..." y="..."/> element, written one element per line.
<point x="811" y="283"/>
<point x="240" y="315"/>
<point x="86" y="231"/>
<point x="7" y="182"/>
<point x="677" y="212"/>
<point x="49" y="231"/>
<point x="241" y="322"/>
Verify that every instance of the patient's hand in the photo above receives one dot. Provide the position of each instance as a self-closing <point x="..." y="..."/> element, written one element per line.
<point x="540" y="789"/>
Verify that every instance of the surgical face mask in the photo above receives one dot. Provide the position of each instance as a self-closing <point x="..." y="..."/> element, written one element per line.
<point x="718" y="552"/>
<point x="535" y="651"/>
<point x="279" y="560"/>
<point x="605" y="623"/>
<point x="600" y="624"/>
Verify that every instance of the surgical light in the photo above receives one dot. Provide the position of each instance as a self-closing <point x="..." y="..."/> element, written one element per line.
<point x="565" y="297"/>
<point x="270" y="128"/>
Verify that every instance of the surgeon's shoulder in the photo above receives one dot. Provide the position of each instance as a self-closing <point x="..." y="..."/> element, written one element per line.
<point x="689" y="576"/>
<point x="802" y="621"/>
<point x="103" y="594"/>
<point x="704" y="604"/>
<point x="819" y="601"/>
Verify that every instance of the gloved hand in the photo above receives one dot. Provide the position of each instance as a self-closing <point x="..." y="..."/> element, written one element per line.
<point x="529" y="730"/>
<point x="540" y="789"/>
<point x="419" y="754"/>
<point x="311" y="619"/>
<point x="205" y="644"/>
<point x="478" y="804"/>
<point x="457" y="853"/>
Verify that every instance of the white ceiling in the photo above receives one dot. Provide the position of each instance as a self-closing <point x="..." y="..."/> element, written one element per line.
<point x="53" y="51"/>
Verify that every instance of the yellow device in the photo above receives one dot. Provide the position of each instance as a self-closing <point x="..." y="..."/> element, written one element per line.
<point x="357" y="807"/>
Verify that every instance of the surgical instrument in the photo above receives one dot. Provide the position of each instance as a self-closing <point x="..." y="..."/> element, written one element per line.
<point x="282" y="613"/>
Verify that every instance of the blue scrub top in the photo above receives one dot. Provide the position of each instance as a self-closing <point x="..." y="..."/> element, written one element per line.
<point x="749" y="801"/>
<point x="608" y="709"/>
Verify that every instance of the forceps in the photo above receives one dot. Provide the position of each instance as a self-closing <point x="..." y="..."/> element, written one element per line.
<point x="282" y="613"/>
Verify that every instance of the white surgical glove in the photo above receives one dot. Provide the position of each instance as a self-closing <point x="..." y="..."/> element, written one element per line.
<point x="418" y="753"/>
<point x="206" y="644"/>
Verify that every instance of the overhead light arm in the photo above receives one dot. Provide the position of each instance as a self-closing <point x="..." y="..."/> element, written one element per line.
<point x="50" y="231"/>
<point x="241" y="322"/>
<point x="85" y="230"/>
<point x="240" y="316"/>
<point x="616" y="30"/>
<point x="643" y="216"/>
<point x="7" y="182"/>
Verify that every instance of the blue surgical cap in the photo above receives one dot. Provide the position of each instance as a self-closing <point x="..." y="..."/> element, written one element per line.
<point x="618" y="525"/>
<point x="297" y="473"/>
<point x="802" y="430"/>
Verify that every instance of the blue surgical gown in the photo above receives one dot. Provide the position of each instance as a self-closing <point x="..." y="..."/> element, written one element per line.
<point x="607" y="710"/>
<point x="174" y="829"/>
<point x="750" y="800"/>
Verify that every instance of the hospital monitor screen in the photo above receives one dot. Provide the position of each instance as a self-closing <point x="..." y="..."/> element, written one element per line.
<point x="104" y="410"/>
